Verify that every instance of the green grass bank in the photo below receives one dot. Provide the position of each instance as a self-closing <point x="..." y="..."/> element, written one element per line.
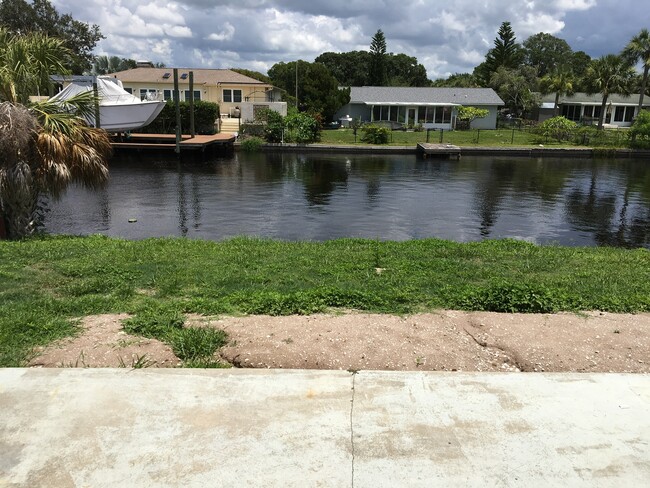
<point x="45" y="282"/>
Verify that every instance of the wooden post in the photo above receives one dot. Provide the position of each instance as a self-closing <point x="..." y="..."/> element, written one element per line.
<point x="192" y="130"/>
<point x="178" y="112"/>
<point x="98" y="124"/>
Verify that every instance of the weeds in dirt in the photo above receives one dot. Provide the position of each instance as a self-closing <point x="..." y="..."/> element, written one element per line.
<point x="46" y="282"/>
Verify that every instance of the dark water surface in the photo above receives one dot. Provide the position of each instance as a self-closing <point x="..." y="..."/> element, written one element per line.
<point x="325" y="196"/>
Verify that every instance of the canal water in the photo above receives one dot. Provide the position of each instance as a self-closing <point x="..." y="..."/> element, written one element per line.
<point x="317" y="196"/>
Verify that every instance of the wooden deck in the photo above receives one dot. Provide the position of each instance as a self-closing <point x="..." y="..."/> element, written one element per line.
<point x="441" y="150"/>
<point x="168" y="141"/>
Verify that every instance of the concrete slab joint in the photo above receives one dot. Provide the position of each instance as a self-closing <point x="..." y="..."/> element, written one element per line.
<point x="296" y="428"/>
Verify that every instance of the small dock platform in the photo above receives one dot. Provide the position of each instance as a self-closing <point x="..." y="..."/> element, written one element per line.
<point x="438" y="150"/>
<point x="164" y="142"/>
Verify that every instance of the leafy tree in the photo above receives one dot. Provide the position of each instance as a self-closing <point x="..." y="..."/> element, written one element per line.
<point x="20" y="17"/>
<point x="467" y="115"/>
<point x="378" y="62"/>
<point x="546" y="52"/>
<point x="517" y="88"/>
<point x="579" y="63"/>
<point x="349" y="69"/>
<point x="104" y="65"/>
<point x="256" y="75"/>
<point x="560" y="81"/>
<point x="26" y="63"/>
<point x="640" y="131"/>
<point x="506" y="53"/>
<point x="606" y="75"/>
<point x="318" y="90"/>
<point x="405" y="70"/>
<point x="458" y="80"/>
<point x="638" y="49"/>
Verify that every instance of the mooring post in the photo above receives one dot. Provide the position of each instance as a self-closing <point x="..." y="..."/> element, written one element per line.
<point x="192" y="131"/>
<point x="178" y="112"/>
<point x="442" y="131"/>
<point x="98" y="123"/>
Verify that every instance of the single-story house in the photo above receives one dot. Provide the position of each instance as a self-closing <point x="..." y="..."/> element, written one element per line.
<point x="433" y="108"/>
<point x="620" y="110"/>
<point x="236" y="94"/>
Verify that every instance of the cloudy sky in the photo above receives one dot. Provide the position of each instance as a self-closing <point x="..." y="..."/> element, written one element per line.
<point x="446" y="36"/>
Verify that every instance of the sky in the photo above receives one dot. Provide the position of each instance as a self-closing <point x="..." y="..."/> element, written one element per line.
<point x="446" y="36"/>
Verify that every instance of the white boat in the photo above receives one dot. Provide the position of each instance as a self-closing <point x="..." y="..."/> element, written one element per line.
<point x="119" y="111"/>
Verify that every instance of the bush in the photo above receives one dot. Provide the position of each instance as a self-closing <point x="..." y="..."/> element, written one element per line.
<point x="374" y="134"/>
<point x="559" y="128"/>
<point x="252" y="144"/>
<point x="640" y="131"/>
<point x="252" y="130"/>
<point x="205" y="115"/>
<point x="274" y="127"/>
<point x="302" y="128"/>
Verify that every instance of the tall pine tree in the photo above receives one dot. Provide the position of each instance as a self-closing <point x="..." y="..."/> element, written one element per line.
<point x="378" y="68"/>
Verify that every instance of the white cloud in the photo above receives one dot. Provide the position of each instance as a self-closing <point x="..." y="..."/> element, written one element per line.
<point x="447" y="37"/>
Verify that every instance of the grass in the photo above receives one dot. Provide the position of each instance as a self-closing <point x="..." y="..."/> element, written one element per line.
<point x="483" y="138"/>
<point x="45" y="282"/>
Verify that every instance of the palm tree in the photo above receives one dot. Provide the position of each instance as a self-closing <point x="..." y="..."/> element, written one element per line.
<point x="607" y="75"/>
<point x="26" y="63"/>
<point x="638" y="49"/>
<point x="45" y="147"/>
<point x="560" y="81"/>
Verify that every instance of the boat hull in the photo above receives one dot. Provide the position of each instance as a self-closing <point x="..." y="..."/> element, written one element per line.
<point x="126" y="117"/>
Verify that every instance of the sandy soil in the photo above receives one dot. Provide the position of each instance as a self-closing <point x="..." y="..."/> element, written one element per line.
<point x="442" y="341"/>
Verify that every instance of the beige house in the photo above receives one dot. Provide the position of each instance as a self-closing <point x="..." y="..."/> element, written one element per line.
<point x="238" y="96"/>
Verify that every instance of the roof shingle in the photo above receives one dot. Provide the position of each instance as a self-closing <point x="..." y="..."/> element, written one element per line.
<point x="416" y="95"/>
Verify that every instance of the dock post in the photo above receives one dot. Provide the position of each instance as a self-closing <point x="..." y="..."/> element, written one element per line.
<point x="98" y="124"/>
<point x="192" y="130"/>
<point x="177" y="106"/>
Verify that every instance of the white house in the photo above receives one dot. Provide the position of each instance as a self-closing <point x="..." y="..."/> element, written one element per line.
<point x="620" y="110"/>
<point x="433" y="108"/>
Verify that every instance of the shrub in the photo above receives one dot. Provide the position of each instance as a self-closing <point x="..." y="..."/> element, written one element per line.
<point x="205" y="115"/>
<point x="559" y="128"/>
<point x="274" y="127"/>
<point x="303" y="128"/>
<point x="374" y="134"/>
<point x="252" y="144"/>
<point x="466" y="115"/>
<point x="640" y="131"/>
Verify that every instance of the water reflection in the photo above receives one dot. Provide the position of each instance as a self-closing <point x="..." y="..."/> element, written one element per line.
<point x="323" y="196"/>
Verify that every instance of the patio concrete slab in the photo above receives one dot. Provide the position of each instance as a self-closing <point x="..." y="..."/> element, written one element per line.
<point x="150" y="428"/>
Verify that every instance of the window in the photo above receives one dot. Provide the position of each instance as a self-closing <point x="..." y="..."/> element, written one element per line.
<point x="422" y="112"/>
<point x="167" y="95"/>
<point x="430" y="113"/>
<point x="197" y="95"/>
<point x="231" y="96"/>
<point x="443" y="115"/>
<point x="629" y="114"/>
<point x="401" y="115"/>
<point x="128" y="90"/>
<point x="619" y="114"/>
<point x="147" y="92"/>
<point x="571" y="112"/>
<point x="376" y="112"/>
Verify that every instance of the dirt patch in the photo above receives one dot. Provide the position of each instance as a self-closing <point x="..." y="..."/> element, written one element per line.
<point x="443" y="341"/>
<point x="103" y="344"/>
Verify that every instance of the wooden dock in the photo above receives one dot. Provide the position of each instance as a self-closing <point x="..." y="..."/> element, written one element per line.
<point x="438" y="150"/>
<point x="165" y="142"/>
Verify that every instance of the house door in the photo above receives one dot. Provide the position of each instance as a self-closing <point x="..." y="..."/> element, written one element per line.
<point x="410" y="119"/>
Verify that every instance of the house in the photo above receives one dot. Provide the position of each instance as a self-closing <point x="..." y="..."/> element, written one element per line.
<point x="620" y="110"/>
<point x="433" y="108"/>
<point x="236" y="94"/>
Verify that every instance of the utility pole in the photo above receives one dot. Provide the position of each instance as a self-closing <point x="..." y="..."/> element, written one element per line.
<point x="296" y="85"/>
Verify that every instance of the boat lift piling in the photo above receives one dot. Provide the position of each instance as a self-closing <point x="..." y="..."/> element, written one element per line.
<point x="98" y="124"/>
<point x="177" y="106"/>
<point x="192" y="129"/>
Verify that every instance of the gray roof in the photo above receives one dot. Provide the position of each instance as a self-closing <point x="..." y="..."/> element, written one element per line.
<point x="597" y="99"/>
<point x="423" y="95"/>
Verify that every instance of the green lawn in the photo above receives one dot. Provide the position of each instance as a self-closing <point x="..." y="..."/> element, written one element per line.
<point x="487" y="138"/>
<point x="47" y="281"/>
